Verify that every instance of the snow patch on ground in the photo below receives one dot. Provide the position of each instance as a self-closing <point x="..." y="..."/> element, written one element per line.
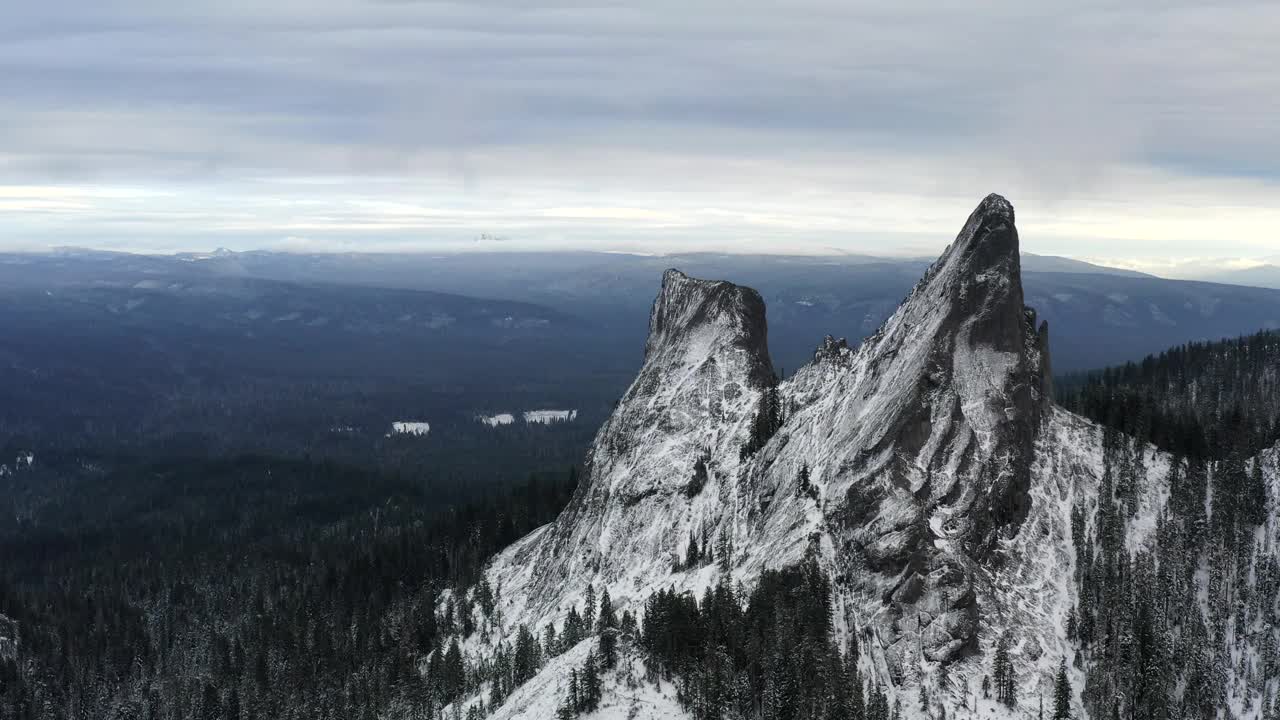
<point x="541" y="417"/>
<point x="410" y="427"/>
<point x="546" y="417"/>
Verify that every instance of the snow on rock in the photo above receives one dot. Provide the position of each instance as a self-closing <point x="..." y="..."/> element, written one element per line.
<point x="706" y="361"/>
<point x="624" y="693"/>
<point x="546" y="417"/>
<point x="410" y="427"/>
<point x="9" y="639"/>
<point x="496" y="420"/>
<point x="920" y="443"/>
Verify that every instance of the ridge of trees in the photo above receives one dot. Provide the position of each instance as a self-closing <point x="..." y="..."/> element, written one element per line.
<point x="1200" y="400"/>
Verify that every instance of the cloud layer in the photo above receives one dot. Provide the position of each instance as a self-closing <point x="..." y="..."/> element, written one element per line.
<point x="1125" y="129"/>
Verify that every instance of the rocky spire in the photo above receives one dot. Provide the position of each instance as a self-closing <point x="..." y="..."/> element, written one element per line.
<point x="661" y="461"/>
<point x="923" y="437"/>
<point x="916" y="447"/>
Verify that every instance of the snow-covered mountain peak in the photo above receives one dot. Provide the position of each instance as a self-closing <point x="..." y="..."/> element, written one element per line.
<point x="662" y="466"/>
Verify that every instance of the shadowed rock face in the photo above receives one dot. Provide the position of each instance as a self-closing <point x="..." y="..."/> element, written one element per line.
<point x="981" y="276"/>
<point x="922" y="439"/>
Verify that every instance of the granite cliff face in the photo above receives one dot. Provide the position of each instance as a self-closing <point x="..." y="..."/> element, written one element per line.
<point x="920" y="442"/>
<point x="644" y="492"/>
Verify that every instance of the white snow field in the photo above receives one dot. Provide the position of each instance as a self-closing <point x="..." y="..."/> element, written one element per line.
<point x="410" y="427"/>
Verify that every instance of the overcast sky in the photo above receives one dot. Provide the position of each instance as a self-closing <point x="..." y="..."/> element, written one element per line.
<point x="1137" y="132"/>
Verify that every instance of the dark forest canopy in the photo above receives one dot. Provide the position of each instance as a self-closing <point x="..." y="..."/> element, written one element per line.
<point x="248" y="587"/>
<point x="1200" y="400"/>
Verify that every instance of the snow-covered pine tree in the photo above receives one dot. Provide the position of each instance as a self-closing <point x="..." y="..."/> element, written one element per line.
<point x="1062" y="693"/>
<point x="607" y="629"/>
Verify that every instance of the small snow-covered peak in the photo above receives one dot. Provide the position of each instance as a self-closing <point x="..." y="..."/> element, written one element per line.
<point x="983" y="258"/>
<point x="663" y="463"/>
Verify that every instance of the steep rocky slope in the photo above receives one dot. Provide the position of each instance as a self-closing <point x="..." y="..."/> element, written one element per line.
<point x="927" y="470"/>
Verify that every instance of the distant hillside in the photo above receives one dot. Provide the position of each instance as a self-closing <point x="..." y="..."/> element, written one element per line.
<point x="1264" y="276"/>
<point x="1052" y="263"/>
<point x="129" y="351"/>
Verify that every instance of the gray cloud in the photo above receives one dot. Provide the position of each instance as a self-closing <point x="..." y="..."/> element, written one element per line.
<point x="546" y="103"/>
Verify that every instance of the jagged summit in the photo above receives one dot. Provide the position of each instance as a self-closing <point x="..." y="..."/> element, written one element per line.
<point x="703" y="317"/>
<point x="995" y="204"/>
<point x="661" y="465"/>
<point x="989" y="232"/>
<point x="980" y="277"/>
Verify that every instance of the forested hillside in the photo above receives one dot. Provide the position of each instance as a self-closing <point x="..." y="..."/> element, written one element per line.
<point x="1201" y="399"/>
<point x="238" y="589"/>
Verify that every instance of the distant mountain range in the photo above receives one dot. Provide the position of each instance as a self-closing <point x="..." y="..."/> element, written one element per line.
<point x="1264" y="276"/>
<point x="1104" y="315"/>
<point x="325" y="334"/>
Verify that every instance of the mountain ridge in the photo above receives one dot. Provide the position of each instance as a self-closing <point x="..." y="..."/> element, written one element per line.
<point x="917" y="448"/>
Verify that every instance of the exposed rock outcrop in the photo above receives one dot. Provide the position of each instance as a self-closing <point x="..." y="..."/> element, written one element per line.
<point x="919" y="447"/>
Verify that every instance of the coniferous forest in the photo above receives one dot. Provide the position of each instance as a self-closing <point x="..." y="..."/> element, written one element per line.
<point x="1202" y="400"/>
<point x="242" y="589"/>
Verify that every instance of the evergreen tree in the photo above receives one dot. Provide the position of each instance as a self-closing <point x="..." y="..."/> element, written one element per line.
<point x="550" y="645"/>
<point x="804" y="484"/>
<point x="1002" y="673"/>
<point x="589" y="686"/>
<point x="692" y="557"/>
<point x="766" y="421"/>
<point x="699" y="479"/>
<point x="1062" y="693"/>
<point x="528" y="657"/>
<point x="724" y="552"/>
<point x="607" y="629"/>
<point x="573" y="629"/>
<point x="1256" y="496"/>
<point x="453" y="675"/>
<point x="589" y="609"/>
